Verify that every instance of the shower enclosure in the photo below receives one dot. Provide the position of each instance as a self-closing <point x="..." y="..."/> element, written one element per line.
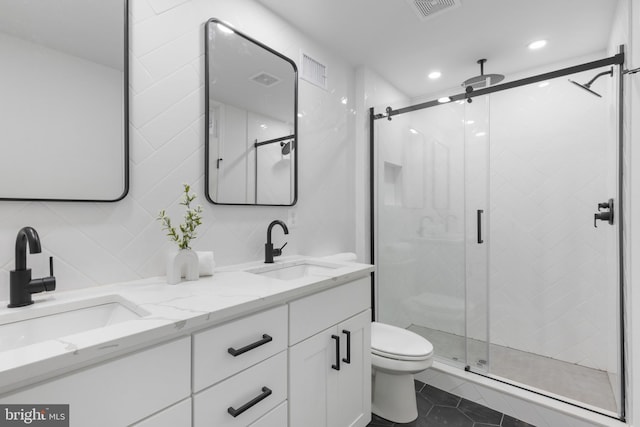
<point x="493" y="236"/>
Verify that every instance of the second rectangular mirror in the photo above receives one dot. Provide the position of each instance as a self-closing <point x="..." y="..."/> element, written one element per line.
<point x="251" y="120"/>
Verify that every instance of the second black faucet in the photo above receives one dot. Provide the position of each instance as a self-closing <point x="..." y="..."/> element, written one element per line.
<point x="269" y="251"/>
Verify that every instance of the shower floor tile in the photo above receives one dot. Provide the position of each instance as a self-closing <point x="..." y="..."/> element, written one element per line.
<point x="587" y="385"/>
<point x="437" y="408"/>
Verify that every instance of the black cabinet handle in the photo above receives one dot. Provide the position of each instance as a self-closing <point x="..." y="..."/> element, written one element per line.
<point x="265" y="339"/>
<point x="479" y="220"/>
<point x="348" y="358"/>
<point x="266" y="392"/>
<point x="337" y="365"/>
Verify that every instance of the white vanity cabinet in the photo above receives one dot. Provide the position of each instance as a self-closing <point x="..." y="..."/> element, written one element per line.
<point x="329" y="358"/>
<point x="174" y="416"/>
<point x="301" y="360"/>
<point x="120" y="392"/>
<point x="240" y="371"/>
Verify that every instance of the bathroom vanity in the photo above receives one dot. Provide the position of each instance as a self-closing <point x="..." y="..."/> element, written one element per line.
<point x="253" y="345"/>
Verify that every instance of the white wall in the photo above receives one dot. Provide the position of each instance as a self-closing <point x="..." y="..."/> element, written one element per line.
<point x="102" y="243"/>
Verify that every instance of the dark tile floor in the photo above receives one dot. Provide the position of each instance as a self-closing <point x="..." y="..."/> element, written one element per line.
<point x="437" y="408"/>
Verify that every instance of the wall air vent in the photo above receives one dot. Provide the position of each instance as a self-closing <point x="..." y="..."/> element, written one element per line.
<point x="427" y="9"/>
<point x="265" y="79"/>
<point x="313" y="71"/>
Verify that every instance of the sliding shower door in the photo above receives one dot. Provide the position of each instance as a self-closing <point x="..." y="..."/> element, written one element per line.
<point x="497" y="235"/>
<point x="420" y="244"/>
<point x="553" y="269"/>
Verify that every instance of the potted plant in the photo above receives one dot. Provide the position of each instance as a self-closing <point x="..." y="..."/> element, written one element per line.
<point x="184" y="262"/>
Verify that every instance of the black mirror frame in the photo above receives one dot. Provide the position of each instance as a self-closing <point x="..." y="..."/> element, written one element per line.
<point x="125" y="134"/>
<point x="206" y="116"/>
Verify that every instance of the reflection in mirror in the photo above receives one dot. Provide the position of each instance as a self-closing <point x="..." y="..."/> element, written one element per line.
<point x="251" y="120"/>
<point x="63" y="108"/>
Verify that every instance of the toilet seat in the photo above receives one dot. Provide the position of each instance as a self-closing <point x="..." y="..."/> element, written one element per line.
<point x="399" y="344"/>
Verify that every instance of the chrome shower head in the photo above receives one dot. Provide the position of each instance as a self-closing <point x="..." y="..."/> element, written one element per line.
<point x="587" y="86"/>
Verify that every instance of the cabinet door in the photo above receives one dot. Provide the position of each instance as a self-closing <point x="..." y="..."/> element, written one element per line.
<point x="313" y="381"/>
<point x="354" y="378"/>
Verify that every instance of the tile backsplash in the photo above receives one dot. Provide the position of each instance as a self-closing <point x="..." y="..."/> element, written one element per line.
<point x="99" y="243"/>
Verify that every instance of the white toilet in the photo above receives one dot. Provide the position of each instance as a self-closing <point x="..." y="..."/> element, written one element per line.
<point x="396" y="354"/>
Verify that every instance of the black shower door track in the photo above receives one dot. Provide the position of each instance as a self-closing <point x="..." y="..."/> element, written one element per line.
<point x="617" y="59"/>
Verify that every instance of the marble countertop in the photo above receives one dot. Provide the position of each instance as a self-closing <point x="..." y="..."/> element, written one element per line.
<point x="172" y="311"/>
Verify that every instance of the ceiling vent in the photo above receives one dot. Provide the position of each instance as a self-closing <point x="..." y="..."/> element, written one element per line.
<point x="265" y="79"/>
<point x="314" y="71"/>
<point x="427" y="9"/>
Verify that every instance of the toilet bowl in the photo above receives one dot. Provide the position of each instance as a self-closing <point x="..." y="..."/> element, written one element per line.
<point x="396" y="354"/>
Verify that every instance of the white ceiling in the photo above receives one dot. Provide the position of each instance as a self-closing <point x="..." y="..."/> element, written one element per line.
<point x="389" y="37"/>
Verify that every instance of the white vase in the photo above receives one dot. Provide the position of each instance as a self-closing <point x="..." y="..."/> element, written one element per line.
<point x="182" y="263"/>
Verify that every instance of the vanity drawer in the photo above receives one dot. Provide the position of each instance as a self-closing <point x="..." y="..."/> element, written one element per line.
<point x="267" y="379"/>
<point x="317" y="312"/>
<point x="252" y="338"/>
<point x="275" y="418"/>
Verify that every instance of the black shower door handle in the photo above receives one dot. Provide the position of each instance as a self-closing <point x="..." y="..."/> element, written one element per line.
<point x="479" y="221"/>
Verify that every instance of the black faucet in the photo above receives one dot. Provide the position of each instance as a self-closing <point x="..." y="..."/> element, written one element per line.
<point x="20" y="284"/>
<point x="269" y="252"/>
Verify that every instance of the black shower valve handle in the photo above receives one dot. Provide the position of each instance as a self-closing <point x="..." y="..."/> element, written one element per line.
<point x="606" y="215"/>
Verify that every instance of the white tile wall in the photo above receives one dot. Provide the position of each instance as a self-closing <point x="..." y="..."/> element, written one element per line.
<point x="553" y="275"/>
<point x="100" y="243"/>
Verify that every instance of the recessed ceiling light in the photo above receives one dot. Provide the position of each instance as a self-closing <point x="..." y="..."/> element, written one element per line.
<point x="543" y="84"/>
<point x="435" y="75"/>
<point x="538" y="44"/>
<point x="444" y="100"/>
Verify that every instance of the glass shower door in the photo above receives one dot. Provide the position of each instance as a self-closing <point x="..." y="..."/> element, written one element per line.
<point x="477" y="139"/>
<point x="421" y="224"/>
<point x="553" y="267"/>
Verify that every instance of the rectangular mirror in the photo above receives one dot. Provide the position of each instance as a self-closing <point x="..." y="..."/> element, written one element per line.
<point x="251" y="120"/>
<point x="63" y="103"/>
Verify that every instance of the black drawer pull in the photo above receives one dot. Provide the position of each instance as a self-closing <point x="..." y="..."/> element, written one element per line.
<point x="348" y="358"/>
<point x="266" y="392"/>
<point x="337" y="365"/>
<point x="265" y="339"/>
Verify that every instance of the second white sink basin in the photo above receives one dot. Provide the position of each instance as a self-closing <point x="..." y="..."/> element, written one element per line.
<point x="292" y="270"/>
<point x="36" y="324"/>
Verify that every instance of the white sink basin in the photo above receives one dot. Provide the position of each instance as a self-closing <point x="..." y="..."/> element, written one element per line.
<point x="292" y="270"/>
<point x="36" y="324"/>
